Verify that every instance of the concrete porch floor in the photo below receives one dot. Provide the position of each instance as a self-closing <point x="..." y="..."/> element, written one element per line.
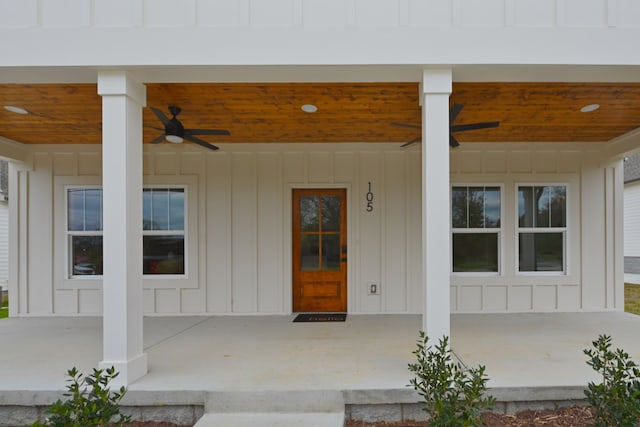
<point x="528" y="356"/>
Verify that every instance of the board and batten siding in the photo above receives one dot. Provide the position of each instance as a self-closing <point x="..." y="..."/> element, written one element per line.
<point x="239" y="227"/>
<point x="632" y="219"/>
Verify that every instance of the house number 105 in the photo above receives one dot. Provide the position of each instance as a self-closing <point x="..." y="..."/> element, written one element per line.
<point x="369" y="199"/>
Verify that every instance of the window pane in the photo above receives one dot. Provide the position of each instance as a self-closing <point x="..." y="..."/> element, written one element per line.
<point x="86" y="255"/>
<point x="159" y="210"/>
<point x="163" y="254"/>
<point x="330" y="213"/>
<point x="331" y="252"/>
<point x="541" y="251"/>
<point x="75" y="209"/>
<point x="558" y="205"/>
<point x="475" y="252"/>
<point x="309" y="252"/>
<point x="492" y="207"/>
<point x="93" y="209"/>
<point x="476" y="207"/>
<point x="459" y="207"/>
<point x="176" y="209"/>
<point x="309" y="213"/>
<point x="542" y="203"/>
<point x="525" y="206"/>
<point x="146" y="210"/>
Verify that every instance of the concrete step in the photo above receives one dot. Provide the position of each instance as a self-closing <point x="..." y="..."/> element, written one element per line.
<point x="271" y="419"/>
<point x="302" y="408"/>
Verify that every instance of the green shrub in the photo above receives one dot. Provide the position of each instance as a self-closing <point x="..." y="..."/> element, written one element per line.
<point x="453" y="394"/>
<point x="616" y="400"/>
<point x="90" y="402"/>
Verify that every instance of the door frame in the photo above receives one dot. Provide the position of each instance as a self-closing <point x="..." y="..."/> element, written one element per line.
<point x="288" y="239"/>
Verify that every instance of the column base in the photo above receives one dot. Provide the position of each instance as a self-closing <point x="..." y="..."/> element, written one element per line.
<point x="129" y="370"/>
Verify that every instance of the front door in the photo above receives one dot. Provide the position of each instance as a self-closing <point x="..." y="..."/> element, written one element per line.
<point x="319" y="250"/>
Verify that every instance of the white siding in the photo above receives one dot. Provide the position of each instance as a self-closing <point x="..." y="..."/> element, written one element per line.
<point x="632" y="219"/>
<point x="239" y="204"/>
<point x="317" y="13"/>
<point x="4" y="243"/>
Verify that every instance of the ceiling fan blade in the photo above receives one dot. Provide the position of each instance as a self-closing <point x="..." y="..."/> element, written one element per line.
<point x="207" y="131"/>
<point x="190" y="137"/>
<point x="454" y="111"/>
<point x="163" y="118"/>
<point x="402" y="125"/>
<point x="474" y="126"/>
<point x="413" y="141"/>
<point x="157" y="140"/>
<point x="453" y="142"/>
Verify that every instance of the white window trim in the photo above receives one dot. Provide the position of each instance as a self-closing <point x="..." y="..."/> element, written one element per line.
<point x="498" y="231"/>
<point x="539" y="230"/>
<point x="61" y="250"/>
<point x="184" y="232"/>
<point x="69" y="233"/>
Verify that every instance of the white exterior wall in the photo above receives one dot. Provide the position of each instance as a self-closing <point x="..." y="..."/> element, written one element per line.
<point x="4" y="243"/>
<point x="239" y="227"/>
<point x="309" y="13"/>
<point x="632" y="219"/>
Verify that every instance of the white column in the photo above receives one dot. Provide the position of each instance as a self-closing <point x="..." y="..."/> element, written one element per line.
<point x="436" y="243"/>
<point x="122" y="102"/>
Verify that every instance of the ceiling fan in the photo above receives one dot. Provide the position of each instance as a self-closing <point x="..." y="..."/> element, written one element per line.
<point x="453" y="113"/>
<point x="175" y="132"/>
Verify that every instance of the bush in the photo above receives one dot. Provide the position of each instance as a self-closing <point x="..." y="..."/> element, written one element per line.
<point x="616" y="400"/>
<point x="453" y="394"/>
<point x="90" y="402"/>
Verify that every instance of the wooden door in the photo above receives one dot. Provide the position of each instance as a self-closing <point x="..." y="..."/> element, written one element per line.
<point x="319" y="250"/>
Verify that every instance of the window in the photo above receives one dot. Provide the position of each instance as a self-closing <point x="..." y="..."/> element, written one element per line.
<point x="163" y="230"/>
<point x="475" y="220"/>
<point x="163" y="225"/>
<point x="542" y="228"/>
<point x="84" y="231"/>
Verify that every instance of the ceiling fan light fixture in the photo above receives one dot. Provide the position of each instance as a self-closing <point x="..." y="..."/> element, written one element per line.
<point x="15" y="109"/>
<point x="175" y="139"/>
<point x="309" y="108"/>
<point x="589" y="108"/>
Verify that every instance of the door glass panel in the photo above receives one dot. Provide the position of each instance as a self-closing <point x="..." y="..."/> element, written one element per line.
<point x="331" y="252"/>
<point x="309" y="213"/>
<point x="309" y="252"/>
<point x="330" y="213"/>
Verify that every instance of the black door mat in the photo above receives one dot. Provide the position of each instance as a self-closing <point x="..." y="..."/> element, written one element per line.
<point x="321" y="317"/>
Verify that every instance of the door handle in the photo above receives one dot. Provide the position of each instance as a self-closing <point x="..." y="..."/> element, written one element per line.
<point x="344" y="249"/>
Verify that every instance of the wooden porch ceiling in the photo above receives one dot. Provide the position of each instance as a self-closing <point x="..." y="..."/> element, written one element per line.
<point x="347" y="112"/>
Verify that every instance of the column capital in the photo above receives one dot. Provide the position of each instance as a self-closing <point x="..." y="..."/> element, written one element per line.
<point x="436" y="81"/>
<point x="120" y="83"/>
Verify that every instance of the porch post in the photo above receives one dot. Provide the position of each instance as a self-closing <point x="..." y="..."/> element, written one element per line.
<point x="122" y="102"/>
<point x="436" y="246"/>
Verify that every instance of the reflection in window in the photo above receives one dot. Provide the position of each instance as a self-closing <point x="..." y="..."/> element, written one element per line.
<point x="320" y="226"/>
<point x="475" y="219"/>
<point x="163" y="212"/>
<point x="84" y="231"/>
<point x="542" y="221"/>
<point x="163" y="224"/>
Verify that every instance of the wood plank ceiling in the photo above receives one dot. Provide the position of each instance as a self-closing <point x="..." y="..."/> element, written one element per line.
<point x="347" y="112"/>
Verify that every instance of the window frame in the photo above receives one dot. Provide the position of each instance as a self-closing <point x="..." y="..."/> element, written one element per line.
<point x="499" y="231"/>
<point x="184" y="232"/>
<point x="564" y="231"/>
<point x="68" y="265"/>
<point x="194" y="249"/>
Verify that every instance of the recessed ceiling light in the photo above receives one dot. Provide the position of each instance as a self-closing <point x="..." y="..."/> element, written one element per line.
<point x="589" y="108"/>
<point x="16" y="110"/>
<point x="309" y="108"/>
